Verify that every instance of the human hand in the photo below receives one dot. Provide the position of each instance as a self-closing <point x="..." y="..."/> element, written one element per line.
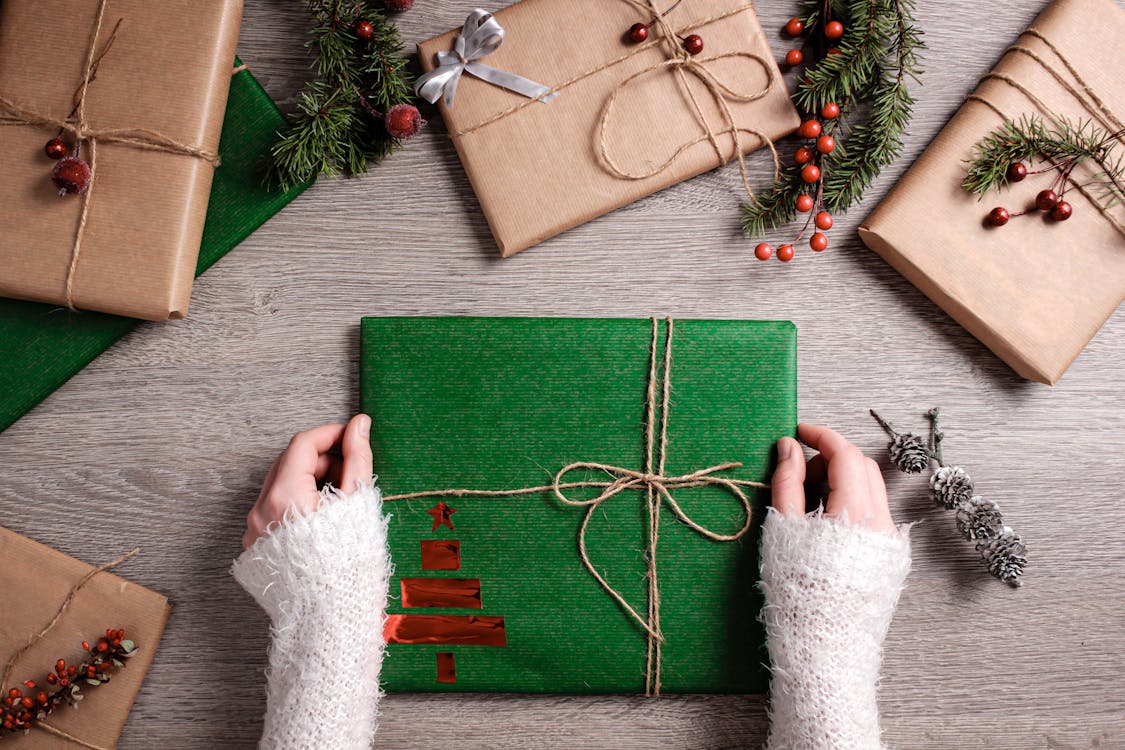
<point x="313" y="457"/>
<point x="855" y="482"/>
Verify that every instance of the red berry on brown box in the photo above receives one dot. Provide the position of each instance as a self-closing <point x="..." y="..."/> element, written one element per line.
<point x="71" y="176"/>
<point x="1046" y="200"/>
<point x="693" y="44"/>
<point x="56" y="148"/>
<point x="998" y="216"/>
<point x="1061" y="211"/>
<point x="637" y="33"/>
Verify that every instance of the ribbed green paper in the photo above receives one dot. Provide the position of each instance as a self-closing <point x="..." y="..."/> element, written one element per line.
<point x="43" y="346"/>
<point x="503" y="403"/>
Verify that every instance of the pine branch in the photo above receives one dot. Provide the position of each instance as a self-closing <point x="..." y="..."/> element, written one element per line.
<point x="1066" y="142"/>
<point x="339" y="126"/>
<point x="774" y="206"/>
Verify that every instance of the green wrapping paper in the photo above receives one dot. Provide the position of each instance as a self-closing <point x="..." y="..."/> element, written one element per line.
<point x="43" y="346"/>
<point x="505" y="403"/>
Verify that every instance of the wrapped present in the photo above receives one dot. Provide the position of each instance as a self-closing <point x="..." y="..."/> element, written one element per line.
<point x="575" y="503"/>
<point x="52" y="604"/>
<point x="41" y="346"/>
<point x="136" y="91"/>
<point x="559" y="117"/>
<point x="1034" y="291"/>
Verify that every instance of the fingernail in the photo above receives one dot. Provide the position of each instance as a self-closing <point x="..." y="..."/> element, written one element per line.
<point x="784" y="449"/>
<point x="364" y="423"/>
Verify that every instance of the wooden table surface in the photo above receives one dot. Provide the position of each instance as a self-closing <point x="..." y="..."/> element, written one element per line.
<point x="172" y="431"/>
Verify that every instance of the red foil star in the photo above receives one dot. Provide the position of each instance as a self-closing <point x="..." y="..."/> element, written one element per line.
<point x="441" y="513"/>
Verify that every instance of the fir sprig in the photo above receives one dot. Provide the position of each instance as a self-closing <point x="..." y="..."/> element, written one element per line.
<point x="866" y="74"/>
<point x="1064" y="145"/>
<point x="339" y="125"/>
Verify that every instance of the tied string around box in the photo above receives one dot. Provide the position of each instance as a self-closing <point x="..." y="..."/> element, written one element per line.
<point x="76" y="125"/>
<point x="482" y="35"/>
<point x="658" y="491"/>
<point x="46" y="630"/>
<point x="1087" y="97"/>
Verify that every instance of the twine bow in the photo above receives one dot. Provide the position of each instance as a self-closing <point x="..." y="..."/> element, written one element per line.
<point x="479" y="37"/>
<point x="658" y="488"/>
<point x="680" y="63"/>
<point x="76" y="124"/>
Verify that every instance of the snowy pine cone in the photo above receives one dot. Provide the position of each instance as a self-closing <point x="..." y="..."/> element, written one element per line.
<point x="1005" y="555"/>
<point x="979" y="519"/>
<point x="952" y="486"/>
<point x="909" y="452"/>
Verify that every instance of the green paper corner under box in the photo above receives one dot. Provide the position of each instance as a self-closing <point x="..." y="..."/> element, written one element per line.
<point x="43" y="346"/>
<point x="503" y="403"/>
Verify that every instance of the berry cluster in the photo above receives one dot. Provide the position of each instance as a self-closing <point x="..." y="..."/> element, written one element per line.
<point x="638" y="32"/>
<point x="1049" y="201"/>
<point x="22" y="707"/>
<point x="810" y="156"/>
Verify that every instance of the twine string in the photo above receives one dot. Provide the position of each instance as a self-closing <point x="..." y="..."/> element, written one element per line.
<point x="680" y="63"/>
<point x="76" y="125"/>
<point x="659" y="491"/>
<point x="46" y="630"/>
<point x="1089" y="100"/>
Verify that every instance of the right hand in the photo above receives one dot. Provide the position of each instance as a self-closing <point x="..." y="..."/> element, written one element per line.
<point x="855" y="482"/>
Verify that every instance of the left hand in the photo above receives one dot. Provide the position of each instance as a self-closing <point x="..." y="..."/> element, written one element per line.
<point x="312" y="458"/>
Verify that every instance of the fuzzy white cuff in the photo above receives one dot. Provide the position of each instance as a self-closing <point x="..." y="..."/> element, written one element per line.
<point x="830" y="590"/>
<point x="322" y="578"/>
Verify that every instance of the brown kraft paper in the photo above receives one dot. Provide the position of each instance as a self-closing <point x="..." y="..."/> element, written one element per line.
<point x="35" y="581"/>
<point x="168" y="71"/>
<point x="1034" y="291"/>
<point x="536" y="171"/>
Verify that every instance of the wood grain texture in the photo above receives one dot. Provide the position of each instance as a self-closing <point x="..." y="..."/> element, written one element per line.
<point x="171" y="432"/>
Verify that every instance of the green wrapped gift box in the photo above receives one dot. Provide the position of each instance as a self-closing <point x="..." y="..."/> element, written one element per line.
<point x="43" y="346"/>
<point x="491" y="591"/>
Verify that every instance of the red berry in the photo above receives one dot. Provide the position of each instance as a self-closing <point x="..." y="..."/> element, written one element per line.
<point x="71" y="176"/>
<point x="823" y="220"/>
<point x="638" y="32"/>
<point x="1061" y="211"/>
<point x="998" y="216"/>
<point x="56" y="148"/>
<point x="833" y="29"/>
<point x="27" y="702"/>
<point x="403" y="121"/>
<point x="809" y="129"/>
<point x="818" y="242"/>
<point x="60" y="666"/>
<point x="795" y="27"/>
<point x="763" y="252"/>
<point x="103" y="646"/>
<point x="830" y="111"/>
<point x="86" y="645"/>
<point x="105" y="666"/>
<point x="804" y="203"/>
<point x="825" y="144"/>
<point x="72" y="670"/>
<point x="42" y="697"/>
<point x="833" y="50"/>
<point x="63" y="682"/>
<point x="1017" y="171"/>
<point x="14" y="693"/>
<point x="52" y="678"/>
<point x="364" y="29"/>
<point x="794" y="57"/>
<point x="693" y="44"/>
<point x="785" y="253"/>
<point x="29" y="684"/>
<point x="1046" y="200"/>
<point x="810" y="173"/>
<point x="398" y="6"/>
<point x="803" y="155"/>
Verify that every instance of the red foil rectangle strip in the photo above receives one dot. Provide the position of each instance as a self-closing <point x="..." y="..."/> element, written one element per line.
<point x="460" y="593"/>
<point x="451" y="630"/>
<point x="446" y="668"/>
<point x="441" y="554"/>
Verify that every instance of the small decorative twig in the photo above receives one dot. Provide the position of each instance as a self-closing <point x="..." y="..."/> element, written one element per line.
<point x="24" y="708"/>
<point x="978" y="519"/>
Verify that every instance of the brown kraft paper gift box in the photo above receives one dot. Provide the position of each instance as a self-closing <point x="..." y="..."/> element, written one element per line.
<point x="1034" y="291"/>
<point x="168" y="72"/>
<point x="35" y="581"/>
<point x="536" y="171"/>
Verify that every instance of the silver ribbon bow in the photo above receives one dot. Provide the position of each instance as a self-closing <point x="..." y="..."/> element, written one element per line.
<point x="480" y="36"/>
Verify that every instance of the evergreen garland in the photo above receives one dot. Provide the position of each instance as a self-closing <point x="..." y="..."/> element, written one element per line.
<point x="342" y="124"/>
<point x="865" y="73"/>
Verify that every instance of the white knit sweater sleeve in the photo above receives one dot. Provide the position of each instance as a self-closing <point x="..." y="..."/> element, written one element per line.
<point x="830" y="592"/>
<point x="322" y="578"/>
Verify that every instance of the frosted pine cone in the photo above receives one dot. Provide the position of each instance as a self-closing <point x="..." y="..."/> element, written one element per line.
<point x="952" y="486"/>
<point x="979" y="519"/>
<point x="909" y="452"/>
<point x="1005" y="555"/>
